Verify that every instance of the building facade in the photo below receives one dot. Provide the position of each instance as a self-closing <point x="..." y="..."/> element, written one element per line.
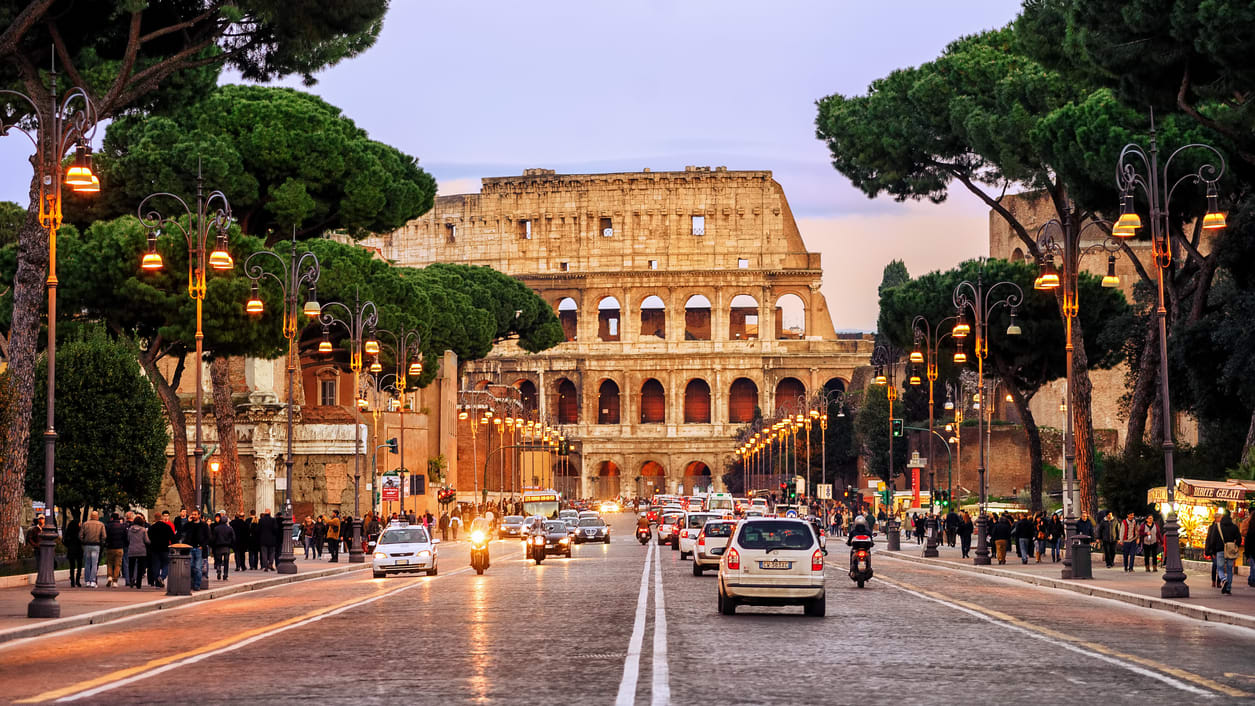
<point x="689" y="302"/>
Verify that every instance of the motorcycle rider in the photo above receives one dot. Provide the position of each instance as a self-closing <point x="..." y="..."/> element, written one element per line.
<point x="481" y="524"/>
<point x="642" y="523"/>
<point x="858" y="526"/>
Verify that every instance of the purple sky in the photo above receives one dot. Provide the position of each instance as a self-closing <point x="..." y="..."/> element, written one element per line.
<point x="491" y="87"/>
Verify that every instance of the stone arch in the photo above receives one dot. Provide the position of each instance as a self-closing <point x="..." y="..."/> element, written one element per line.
<point x="608" y="402"/>
<point x="1017" y="255"/>
<point x="653" y="317"/>
<point x="609" y="319"/>
<point x="835" y="386"/>
<point x="697" y="402"/>
<point x="788" y="393"/>
<point x="697" y="318"/>
<point x="790" y="316"/>
<point x="742" y="401"/>
<point x="567" y="402"/>
<point x="607" y="478"/>
<point x="653" y="402"/>
<point x="653" y="478"/>
<point x="481" y="384"/>
<point x="568" y="316"/>
<point x="696" y="474"/>
<point x="743" y="318"/>
<point x="527" y="394"/>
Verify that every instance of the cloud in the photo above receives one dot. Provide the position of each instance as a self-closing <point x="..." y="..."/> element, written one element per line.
<point x="465" y="185"/>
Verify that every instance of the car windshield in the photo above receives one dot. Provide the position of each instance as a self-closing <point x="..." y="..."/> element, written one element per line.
<point x="411" y="535"/>
<point x="668" y="519"/>
<point x="718" y="529"/>
<point x="592" y="522"/>
<point x="697" y="521"/>
<point x="555" y="526"/>
<point x="513" y="520"/>
<point x="773" y="534"/>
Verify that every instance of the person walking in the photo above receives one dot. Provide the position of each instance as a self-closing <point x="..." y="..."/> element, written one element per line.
<point x="254" y="541"/>
<point x="952" y="527"/>
<point x="965" y="533"/>
<point x="333" y="536"/>
<point x="115" y="549"/>
<point x="320" y="536"/>
<point x="307" y="537"/>
<point x="92" y="535"/>
<point x="444" y="526"/>
<point x="196" y="533"/>
<point x="1126" y="535"/>
<point x="267" y="534"/>
<point x="1001" y="534"/>
<point x="74" y="551"/>
<point x="126" y="548"/>
<point x="455" y="524"/>
<point x="160" y="537"/>
<point x="1024" y="535"/>
<point x="1224" y="540"/>
<point x="1149" y="535"/>
<point x="223" y="538"/>
<point x="1107" y="537"/>
<point x="137" y="550"/>
<point x="1055" y="536"/>
<point x="239" y="528"/>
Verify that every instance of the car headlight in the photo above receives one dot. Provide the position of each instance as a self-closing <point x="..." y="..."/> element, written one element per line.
<point x="380" y="555"/>
<point x="565" y="540"/>
<point x="424" y="553"/>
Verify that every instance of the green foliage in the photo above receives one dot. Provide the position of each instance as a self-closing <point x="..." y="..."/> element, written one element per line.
<point x="871" y="429"/>
<point x="12" y="216"/>
<point x="111" y="446"/>
<point x="895" y="274"/>
<point x="516" y="310"/>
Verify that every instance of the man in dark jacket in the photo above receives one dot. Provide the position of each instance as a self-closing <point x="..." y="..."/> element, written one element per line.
<point x="952" y="527"/>
<point x="160" y="537"/>
<point x="196" y="534"/>
<point x="1107" y="537"/>
<point x="267" y="536"/>
<point x="239" y="528"/>
<point x="223" y="539"/>
<point x="254" y="540"/>
<point x="115" y="544"/>
<point x="1024" y="534"/>
<point x="1223" y="532"/>
<point x="1001" y="534"/>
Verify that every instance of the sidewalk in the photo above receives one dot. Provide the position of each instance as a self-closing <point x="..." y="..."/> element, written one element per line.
<point x="1138" y="588"/>
<point x="86" y="606"/>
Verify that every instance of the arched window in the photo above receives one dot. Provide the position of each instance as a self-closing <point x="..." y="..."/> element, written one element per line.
<point x="608" y="403"/>
<point x="743" y="318"/>
<point x="1017" y="255"/>
<point x="653" y="317"/>
<point x="568" y="313"/>
<point x="653" y="479"/>
<point x="606" y="482"/>
<point x="608" y="319"/>
<point x="527" y="394"/>
<point x="696" y="477"/>
<point x="742" y="401"/>
<point x="790" y="393"/>
<point x="697" y="402"/>
<point x="697" y="318"/>
<point x="568" y="402"/>
<point x="790" y="317"/>
<point x="653" y="403"/>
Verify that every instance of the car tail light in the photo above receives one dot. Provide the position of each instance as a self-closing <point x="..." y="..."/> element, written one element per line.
<point x="862" y="554"/>
<point x="701" y="539"/>
<point x="734" y="559"/>
<point x="817" y="560"/>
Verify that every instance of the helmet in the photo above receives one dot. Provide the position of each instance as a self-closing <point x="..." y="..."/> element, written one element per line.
<point x="860" y="520"/>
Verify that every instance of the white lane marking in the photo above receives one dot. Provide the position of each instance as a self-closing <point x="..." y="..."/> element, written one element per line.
<point x="230" y="648"/>
<point x="1065" y="645"/>
<point x="661" y="671"/>
<point x="632" y="663"/>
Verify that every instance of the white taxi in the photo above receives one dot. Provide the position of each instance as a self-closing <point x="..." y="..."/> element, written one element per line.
<point x="690" y="526"/>
<point x="405" y="548"/>
<point x="772" y="562"/>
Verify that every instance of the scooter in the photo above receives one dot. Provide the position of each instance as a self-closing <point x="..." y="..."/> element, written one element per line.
<point x="860" y="558"/>
<point x="643" y="535"/>
<point x="536" y="547"/>
<point x="479" y="551"/>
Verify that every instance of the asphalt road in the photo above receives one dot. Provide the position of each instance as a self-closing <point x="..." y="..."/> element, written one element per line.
<point x="629" y="624"/>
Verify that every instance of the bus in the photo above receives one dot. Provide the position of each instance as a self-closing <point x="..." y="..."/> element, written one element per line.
<point x="541" y="502"/>
<point x="720" y="502"/>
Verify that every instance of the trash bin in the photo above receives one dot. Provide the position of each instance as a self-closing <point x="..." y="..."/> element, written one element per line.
<point x="1082" y="564"/>
<point x="179" y="582"/>
<point x="893" y="533"/>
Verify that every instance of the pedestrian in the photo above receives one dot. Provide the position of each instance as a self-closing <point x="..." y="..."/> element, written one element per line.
<point x="1107" y="536"/>
<point x="1085" y="526"/>
<point x="455" y="523"/>
<point x="333" y="536"/>
<point x="320" y="535"/>
<point x="1126" y="535"/>
<point x="1224" y="541"/>
<point x="74" y="551"/>
<point x="254" y="541"/>
<point x="267" y="538"/>
<point x="92" y="535"/>
<point x="160" y="537"/>
<point x="223" y="538"/>
<point x="179" y="523"/>
<point x="137" y="550"/>
<point x="1248" y="542"/>
<point x="33" y="532"/>
<point x="1024" y="536"/>
<point x="952" y="527"/>
<point x="1150" y="536"/>
<point x="373" y="527"/>
<point x="239" y="528"/>
<point x="1056" y="537"/>
<point x="346" y="533"/>
<point x="307" y="537"/>
<point x="126" y="548"/>
<point x="1001" y="534"/>
<point x="196" y="533"/>
<point x="115" y="549"/>
<point x="965" y="533"/>
<point x="444" y="526"/>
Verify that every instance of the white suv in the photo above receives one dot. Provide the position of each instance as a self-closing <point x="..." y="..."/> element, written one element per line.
<point x="667" y="526"/>
<point x="689" y="527"/>
<point x="772" y="562"/>
<point x="714" y="536"/>
<point x="405" y="548"/>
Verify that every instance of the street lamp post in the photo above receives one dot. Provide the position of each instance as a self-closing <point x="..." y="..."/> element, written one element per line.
<point x="886" y="375"/>
<point x="931" y="336"/>
<point x="405" y="349"/>
<point x="63" y="124"/>
<point x="291" y="275"/>
<point x="975" y="298"/>
<point x="359" y="321"/>
<point x="1154" y="186"/>
<point x="1062" y="239"/>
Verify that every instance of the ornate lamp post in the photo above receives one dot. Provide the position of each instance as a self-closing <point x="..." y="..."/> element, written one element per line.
<point x="359" y="321"/>
<point x="974" y="297"/>
<point x="291" y="275"/>
<point x="408" y="360"/>
<point x="376" y="408"/>
<point x="61" y="125"/>
<point x="1061" y="239"/>
<point x="1139" y="169"/>
<point x="886" y="375"/>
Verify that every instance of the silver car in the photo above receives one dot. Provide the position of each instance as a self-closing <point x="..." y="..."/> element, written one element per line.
<point x="772" y="561"/>
<point x="403" y="548"/>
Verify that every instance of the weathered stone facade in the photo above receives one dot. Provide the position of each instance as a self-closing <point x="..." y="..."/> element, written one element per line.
<point x="688" y="299"/>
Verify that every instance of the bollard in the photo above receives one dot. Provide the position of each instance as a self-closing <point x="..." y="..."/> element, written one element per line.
<point x="930" y="549"/>
<point x="893" y="533"/>
<point x="179" y="582"/>
<point x="1082" y="565"/>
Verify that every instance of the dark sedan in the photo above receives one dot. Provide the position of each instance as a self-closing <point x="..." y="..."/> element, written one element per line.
<point x="592" y="529"/>
<point x="511" y="526"/>
<point x="557" y="538"/>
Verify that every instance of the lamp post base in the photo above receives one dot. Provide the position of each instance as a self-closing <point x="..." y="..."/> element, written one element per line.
<point x="1069" y="531"/>
<point x="44" y="604"/>
<point x="286" y="563"/>
<point x="355" y="549"/>
<point x="893" y="535"/>
<point x="981" y="557"/>
<point x="930" y="549"/>
<point x="1174" y="585"/>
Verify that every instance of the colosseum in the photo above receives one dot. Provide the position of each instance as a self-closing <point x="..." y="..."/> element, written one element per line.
<point x="689" y="302"/>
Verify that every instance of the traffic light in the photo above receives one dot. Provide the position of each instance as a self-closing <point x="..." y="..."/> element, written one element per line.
<point x="392" y="445"/>
<point x="564" y="448"/>
<point x="897" y="427"/>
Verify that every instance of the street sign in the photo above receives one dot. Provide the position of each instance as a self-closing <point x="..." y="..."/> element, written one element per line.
<point x="880" y="486"/>
<point x="799" y="483"/>
<point x="281" y="482"/>
<point x="823" y="491"/>
<point x="390" y="484"/>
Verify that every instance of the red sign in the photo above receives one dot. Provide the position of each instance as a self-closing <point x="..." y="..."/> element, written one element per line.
<point x="390" y="488"/>
<point x="914" y="487"/>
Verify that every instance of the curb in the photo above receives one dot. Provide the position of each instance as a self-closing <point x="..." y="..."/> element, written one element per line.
<point x="1211" y="615"/>
<point x="111" y="614"/>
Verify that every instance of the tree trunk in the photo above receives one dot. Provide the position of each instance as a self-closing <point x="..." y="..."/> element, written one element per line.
<point x="1031" y="431"/>
<point x="1143" y="387"/>
<point x="228" y="453"/>
<point x="179" y="471"/>
<point x="1083" y="423"/>
<point x="1250" y="442"/>
<point x="28" y="291"/>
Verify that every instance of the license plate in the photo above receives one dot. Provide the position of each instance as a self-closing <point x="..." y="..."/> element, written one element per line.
<point x="775" y="565"/>
<point x="402" y="561"/>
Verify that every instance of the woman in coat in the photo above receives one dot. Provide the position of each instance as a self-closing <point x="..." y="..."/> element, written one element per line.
<point x="137" y="550"/>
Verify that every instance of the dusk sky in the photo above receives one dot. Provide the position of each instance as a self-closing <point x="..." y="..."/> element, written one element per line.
<point x="488" y="88"/>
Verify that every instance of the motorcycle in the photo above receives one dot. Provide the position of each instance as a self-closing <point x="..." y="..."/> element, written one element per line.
<point x="860" y="558"/>
<point x="536" y="547"/>
<point x="479" y="551"/>
<point x="643" y="535"/>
